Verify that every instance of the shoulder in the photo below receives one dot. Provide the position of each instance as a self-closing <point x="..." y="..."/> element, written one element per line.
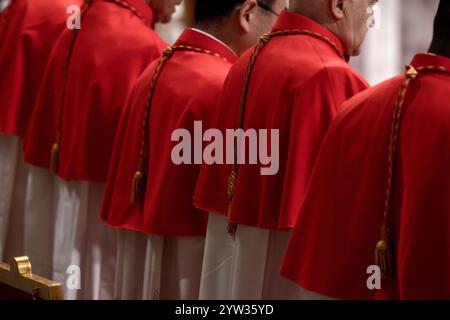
<point x="428" y="97"/>
<point x="372" y="103"/>
<point x="235" y="75"/>
<point x="334" y="76"/>
<point x="240" y="66"/>
<point x="116" y="24"/>
<point x="339" y="69"/>
<point x="198" y="72"/>
<point x="382" y="91"/>
<point x="144" y="80"/>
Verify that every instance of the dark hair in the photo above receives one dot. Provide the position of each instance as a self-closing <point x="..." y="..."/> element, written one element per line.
<point x="209" y="11"/>
<point x="442" y="21"/>
<point x="441" y="33"/>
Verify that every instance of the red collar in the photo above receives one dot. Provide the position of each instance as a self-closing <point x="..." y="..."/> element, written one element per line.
<point x="426" y="60"/>
<point x="290" y="21"/>
<point x="141" y="9"/>
<point x="191" y="37"/>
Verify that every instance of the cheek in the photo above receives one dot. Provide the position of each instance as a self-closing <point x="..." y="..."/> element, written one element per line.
<point x="362" y="29"/>
<point x="363" y="22"/>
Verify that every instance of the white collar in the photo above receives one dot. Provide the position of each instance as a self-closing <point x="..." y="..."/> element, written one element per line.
<point x="211" y="36"/>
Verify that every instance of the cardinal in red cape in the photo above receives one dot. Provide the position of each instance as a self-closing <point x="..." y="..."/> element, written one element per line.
<point x="292" y="84"/>
<point x="72" y="129"/>
<point x="28" y="31"/>
<point x="183" y="86"/>
<point x="374" y="223"/>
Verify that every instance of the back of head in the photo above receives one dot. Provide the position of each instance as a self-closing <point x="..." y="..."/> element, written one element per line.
<point x="238" y="23"/>
<point x="207" y="11"/>
<point x="441" y="34"/>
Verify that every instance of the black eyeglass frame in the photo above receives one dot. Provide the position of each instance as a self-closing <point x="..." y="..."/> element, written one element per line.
<point x="266" y="8"/>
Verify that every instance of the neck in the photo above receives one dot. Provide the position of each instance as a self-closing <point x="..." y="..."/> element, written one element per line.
<point x="304" y="13"/>
<point x="314" y="12"/>
<point x="218" y="33"/>
<point x="440" y="47"/>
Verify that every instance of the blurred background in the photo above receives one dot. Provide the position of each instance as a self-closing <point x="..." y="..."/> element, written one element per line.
<point x="3" y="4"/>
<point x="403" y="28"/>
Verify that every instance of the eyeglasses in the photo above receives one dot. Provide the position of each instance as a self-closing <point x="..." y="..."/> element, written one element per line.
<point x="266" y="8"/>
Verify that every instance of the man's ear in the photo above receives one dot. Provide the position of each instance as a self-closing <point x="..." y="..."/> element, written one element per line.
<point x="245" y="13"/>
<point x="337" y="8"/>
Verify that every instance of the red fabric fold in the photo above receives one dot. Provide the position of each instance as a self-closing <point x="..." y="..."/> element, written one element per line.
<point x="334" y="241"/>
<point x="28" y="31"/>
<point x="112" y="49"/>
<point x="187" y="91"/>
<point x="298" y="84"/>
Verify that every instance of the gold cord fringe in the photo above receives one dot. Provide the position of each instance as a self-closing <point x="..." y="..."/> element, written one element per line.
<point x="138" y="187"/>
<point x="384" y="256"/>
<point x="54" y="158"/>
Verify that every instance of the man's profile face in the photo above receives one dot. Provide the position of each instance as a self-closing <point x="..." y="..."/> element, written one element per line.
<point x="357" y="19"/>
<point x="164" y="9"/>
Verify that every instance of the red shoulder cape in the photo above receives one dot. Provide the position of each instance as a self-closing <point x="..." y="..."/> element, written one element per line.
<point x="28" y="31"/>
<point x="114" y="46"/>
<point x="297" y="85"/>
<point x="334" y="241"/>
<point x="187" y="91"/>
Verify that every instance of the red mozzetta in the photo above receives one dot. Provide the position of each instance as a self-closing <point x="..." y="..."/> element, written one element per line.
<point x="28" y="31"/>
<point x="86" y="86"/>
<point x="187" y="90"/>
<point x="298" y="83"/>
<point x="338" y="229"/>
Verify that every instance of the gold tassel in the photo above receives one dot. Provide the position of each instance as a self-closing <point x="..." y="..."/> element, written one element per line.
<point x="54" y="158"/>
<point x="411" y="72"/>
<point x="384" y="255"/>
<point x="138" y="188"/>
<point x="265" y="39"/>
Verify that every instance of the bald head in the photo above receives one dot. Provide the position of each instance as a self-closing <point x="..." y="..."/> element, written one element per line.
<point x="441" y="34"/>
<point x="347" y="19"/>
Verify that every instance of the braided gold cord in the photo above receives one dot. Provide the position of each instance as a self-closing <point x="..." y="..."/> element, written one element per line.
<point x="125" y="4"/>
<point x="56" y="147"/>
<point x="265" y="39"/>
<point x="384" y="251"/>
<point x="139" y="182"/>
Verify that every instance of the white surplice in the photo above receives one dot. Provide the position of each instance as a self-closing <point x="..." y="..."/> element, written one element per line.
<point x="152" y="267"/>
<point x="26" y="208"/>
<point x="82" y="241"/>
<point x="246" y="266"/>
